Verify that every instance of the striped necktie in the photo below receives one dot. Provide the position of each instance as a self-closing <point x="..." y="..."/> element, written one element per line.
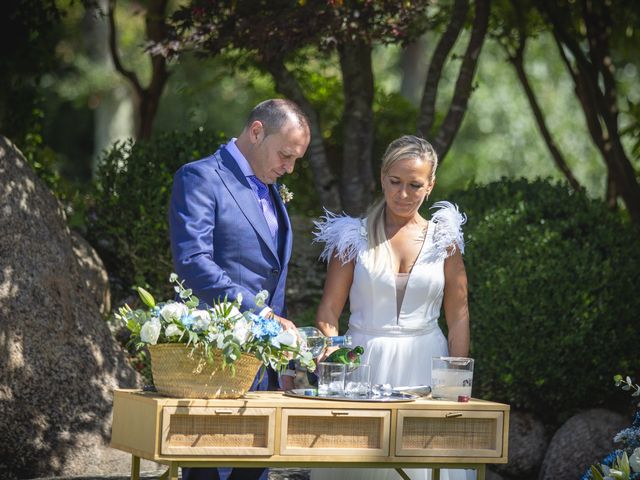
<point x="267" y="205"/>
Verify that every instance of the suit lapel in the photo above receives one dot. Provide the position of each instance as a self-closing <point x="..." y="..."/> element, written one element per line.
<point x="238" y="187"/>
<point x="285" y="224"/>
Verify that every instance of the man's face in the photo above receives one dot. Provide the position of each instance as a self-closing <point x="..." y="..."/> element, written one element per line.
<point x="274" y="155"/>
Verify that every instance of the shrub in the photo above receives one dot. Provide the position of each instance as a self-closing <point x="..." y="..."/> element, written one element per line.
<point x="127" y="222"/>
<point x="552" y="296"/>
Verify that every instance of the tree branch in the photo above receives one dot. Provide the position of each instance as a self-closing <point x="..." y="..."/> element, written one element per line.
<point x="440" y="55"/>
<point x="517" y="60"/>
<point x="463" y="88"/>
<point x="113" y="49"/>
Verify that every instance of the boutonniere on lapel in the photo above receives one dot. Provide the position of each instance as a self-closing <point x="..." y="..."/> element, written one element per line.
<point x="285" y="194"/>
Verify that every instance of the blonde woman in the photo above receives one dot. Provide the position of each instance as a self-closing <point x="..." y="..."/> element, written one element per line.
<point x="398" y="269"/>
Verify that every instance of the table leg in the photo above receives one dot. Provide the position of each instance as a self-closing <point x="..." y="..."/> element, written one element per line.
<point x="135" y="467"/>
<point x="402" y="474"/>
<point x="171" y="473"/>
<point x="436" y="474"/>
<point x="482" y="472"/>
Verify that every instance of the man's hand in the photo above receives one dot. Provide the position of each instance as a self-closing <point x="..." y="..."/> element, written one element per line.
<point x="286" y="324"/>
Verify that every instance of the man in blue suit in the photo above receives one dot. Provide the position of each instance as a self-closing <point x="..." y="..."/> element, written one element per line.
<point x="230" y="232"/>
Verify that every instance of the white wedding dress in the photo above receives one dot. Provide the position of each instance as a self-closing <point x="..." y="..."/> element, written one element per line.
<point x="398" y="347"/>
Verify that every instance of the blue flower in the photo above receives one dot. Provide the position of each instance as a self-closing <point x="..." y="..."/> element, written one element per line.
<point x="264" y="327"/>
<point x="611" y="458"/>
<point x="187" y="321"/>
<point x="629" y="437"/>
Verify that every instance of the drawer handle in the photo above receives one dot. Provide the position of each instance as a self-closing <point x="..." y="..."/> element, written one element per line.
<point x="223" y="411"/>
<point x="453" y="414"/>
<point x="339" y="412"/>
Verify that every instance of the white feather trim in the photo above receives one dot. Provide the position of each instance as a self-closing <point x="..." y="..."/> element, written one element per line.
<point x="447" y="235"/>
<point x="342" y="235"/>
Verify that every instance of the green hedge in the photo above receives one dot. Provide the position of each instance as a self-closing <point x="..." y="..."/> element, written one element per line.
<point x="127" y="222"/>
<point x="553" y="304"/>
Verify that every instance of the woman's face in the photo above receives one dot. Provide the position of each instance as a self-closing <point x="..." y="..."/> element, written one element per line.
<point x="406" y="185"/>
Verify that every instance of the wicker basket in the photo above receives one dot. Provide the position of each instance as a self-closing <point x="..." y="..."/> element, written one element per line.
<point x="179" y="372"/>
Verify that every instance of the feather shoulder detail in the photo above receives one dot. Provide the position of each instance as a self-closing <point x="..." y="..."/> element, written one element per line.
<point x="342" y="235"/>
<point x="447" y="236"/>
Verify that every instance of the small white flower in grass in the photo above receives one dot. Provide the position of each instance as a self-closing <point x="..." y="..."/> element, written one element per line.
<point x="172" y="330"/>
<point x="239" y="298"/>
<point x="173" y="311"/>
<point x="150" y="331"/>
<point x="261" y="297"/>
<point x="286" y="337"/>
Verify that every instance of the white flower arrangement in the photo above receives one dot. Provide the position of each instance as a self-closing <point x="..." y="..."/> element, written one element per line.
<point x="285" y="194"/>
<point x="221" y="326"/>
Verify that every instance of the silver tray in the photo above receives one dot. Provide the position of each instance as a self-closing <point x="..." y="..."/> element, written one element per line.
<point x="312" y="393"/>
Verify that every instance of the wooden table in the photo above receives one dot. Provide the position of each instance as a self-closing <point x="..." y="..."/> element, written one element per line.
<point x="271" y="429"/>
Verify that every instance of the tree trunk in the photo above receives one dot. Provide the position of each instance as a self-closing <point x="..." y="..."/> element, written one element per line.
<point x="147" y="99"/>
<point x="356" y="178"/>
<point x="324" y="181"/>
<point x="427" y="112"/>
<point x="598" y="100"/>
<point x="463" y="89"/>
<point x="414" y="70"/>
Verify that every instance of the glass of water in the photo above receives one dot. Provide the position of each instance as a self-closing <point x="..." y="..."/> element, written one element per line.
<point x="451" y="377"/>
<point x="357" y="380"/>
<point x="331" y="378"/>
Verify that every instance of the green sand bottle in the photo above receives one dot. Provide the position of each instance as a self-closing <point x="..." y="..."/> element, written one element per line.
<point x="346" y="356"/>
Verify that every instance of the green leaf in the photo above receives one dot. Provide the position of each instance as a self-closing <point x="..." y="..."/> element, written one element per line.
<point x="146" y="297"/>
<point x="596" y="473"/>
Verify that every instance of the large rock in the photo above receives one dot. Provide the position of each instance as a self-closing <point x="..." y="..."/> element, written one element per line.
<point x="92" y="273"/>
<point x="58" y="360"/>
<point x="584" y="439"/>
<point x="527" y="446"/>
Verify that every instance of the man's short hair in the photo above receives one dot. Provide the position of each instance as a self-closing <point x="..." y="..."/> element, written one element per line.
<point x="274" y="113"/>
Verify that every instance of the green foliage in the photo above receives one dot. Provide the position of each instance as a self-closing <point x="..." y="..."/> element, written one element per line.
<point x="127" y="220"/>
<point x="552" y="296"/>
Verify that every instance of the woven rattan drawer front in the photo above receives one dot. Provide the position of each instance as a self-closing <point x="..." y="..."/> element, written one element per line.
<point x="335" y="432"/>
<point x="217" y="431"/>
<point x="445" y="433"/>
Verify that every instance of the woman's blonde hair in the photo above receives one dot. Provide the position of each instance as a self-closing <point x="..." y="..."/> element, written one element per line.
<point x="405" y="147"/>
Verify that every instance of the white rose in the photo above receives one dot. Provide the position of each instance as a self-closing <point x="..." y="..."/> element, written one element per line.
<point x="201" y="320"/>
<point x="150" y="331"/>
<point x="634" y="460"/>
<point x="173" y="311"/>
<point x="241" y="330"/>
<point x="286" y="337"/>
<point x="172" y="330"/>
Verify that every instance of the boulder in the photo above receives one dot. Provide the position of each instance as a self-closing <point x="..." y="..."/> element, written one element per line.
<point x="583" y="439"/>
<point x="92" y="273"/>
<point x="527" y="446"/>
<point x="58" y="359"/>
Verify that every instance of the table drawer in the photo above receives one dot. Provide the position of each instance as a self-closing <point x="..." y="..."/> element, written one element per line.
<point x="217" y="431"/>
<point x="335" y="432"/>
<point x="447" y="433"/>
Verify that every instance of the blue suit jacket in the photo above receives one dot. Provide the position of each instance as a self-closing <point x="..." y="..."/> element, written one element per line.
<point x="220" y="240"/>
